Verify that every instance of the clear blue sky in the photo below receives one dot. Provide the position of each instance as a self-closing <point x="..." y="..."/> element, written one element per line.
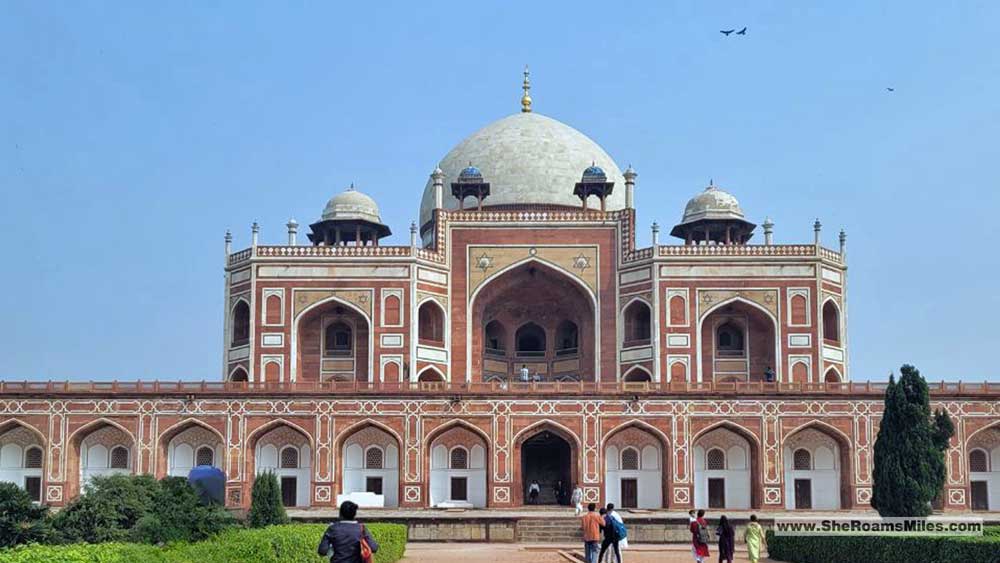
<point x="134" y="136"/>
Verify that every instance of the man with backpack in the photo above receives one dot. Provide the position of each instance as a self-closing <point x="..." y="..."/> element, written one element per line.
<point x="346" y="540"/>
<point x="699" y="538"/>
<point x="614" y="532"/>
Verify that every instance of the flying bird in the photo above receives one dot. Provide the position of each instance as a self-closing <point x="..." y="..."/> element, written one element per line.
<point x="742" y="31"/>
<point x="891" y="89"/>
<point x="726" y="32"/>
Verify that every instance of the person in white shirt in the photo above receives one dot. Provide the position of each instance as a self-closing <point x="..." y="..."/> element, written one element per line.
<point x="533" y="489"/>
<point x="525" y="374"/>
<point x="577" y="500"/>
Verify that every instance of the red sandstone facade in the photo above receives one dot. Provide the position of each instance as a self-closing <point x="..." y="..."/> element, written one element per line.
<point x="648" y="365"/>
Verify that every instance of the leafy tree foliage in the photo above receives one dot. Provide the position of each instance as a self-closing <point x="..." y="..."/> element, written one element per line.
<point x="265" y="502"/>
<point x="21" y="521"/>
<point x="179" y="515"/>
<point x="138" y="508"/>
<point x="909" y="468"/>
<point x="108" y="510"/>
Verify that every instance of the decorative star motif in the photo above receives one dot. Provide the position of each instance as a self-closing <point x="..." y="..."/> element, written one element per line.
<point x="363" y="298"/>
<point x="484" y="263"/>
<point x="707" y="298"/>
<point x="581" y="262"/>
<point x="768" y="298"/>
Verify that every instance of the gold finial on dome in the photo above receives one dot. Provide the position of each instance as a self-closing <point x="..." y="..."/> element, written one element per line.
<point x="526" y="98"/>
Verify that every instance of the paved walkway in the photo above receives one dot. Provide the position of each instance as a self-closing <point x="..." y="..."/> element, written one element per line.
<point x="531" y="553"/>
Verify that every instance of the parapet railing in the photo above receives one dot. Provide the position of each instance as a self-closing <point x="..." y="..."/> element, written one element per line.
<point x="634" y="389"/>
<point x="751" y="250"/>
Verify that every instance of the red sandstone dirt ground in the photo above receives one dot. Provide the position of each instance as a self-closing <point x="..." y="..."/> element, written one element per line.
<point x="518" y="553"/>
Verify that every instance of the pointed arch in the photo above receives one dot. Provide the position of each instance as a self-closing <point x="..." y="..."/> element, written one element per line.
<point x="439" y="469"/>
<point x="990" y="426"/>
<point x="75" y="441"/>
<point x="438" y="376"/>
<point x="832" y="321"/>
<point x="547" y="424"/>
<point x="641" y="374"/>
<point x="737" y="299"/>
<point x="353" y="470"/>
<point x="455" y="423"/>
<point x="255" y="434"/>
<point x="432" y="323"/>
<point x="239" y="375"/>
<point x="754" y="466"/>
<point x="82" y="432"/>
<point x="167" y="435"/>
<point x="293" y="370"/>
<point x="555" y="270"/>
<point x="575" y="449"/>
<point x="846" y="455"/>
<point x="833" y="375"/>
<point x="11" y="424"/>
<point x="637" y="322"/>
<point x="239" y="315"/>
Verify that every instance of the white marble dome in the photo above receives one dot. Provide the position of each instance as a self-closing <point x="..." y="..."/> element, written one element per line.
<point x="528" y="159"/>
<point x="351" y="204"/>
<point x="712" y="203"/>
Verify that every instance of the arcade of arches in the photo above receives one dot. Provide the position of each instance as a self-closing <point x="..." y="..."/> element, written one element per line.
<point x="640" y="462"/>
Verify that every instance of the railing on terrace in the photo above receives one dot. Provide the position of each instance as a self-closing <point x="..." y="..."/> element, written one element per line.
<point x="695" y="390"/>
<point x="752" y="250"/>
<point x="303" y="251"/>
<point x="745" y="250"/>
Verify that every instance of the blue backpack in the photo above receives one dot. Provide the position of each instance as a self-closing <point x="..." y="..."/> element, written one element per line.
<point x="620" y="529"/>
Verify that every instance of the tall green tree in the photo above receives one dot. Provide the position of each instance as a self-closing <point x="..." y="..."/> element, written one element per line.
<point x="909" y="465"/>
<point x="265" y="502"/>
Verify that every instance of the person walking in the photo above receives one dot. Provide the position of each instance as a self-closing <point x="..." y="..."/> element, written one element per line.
<point x="692" y="518"/>
<point x="591" y="523"/>
<point x="699" y="537"/>
<point x="342" y="540"/>
<point x="533" y="489"/>
<point x="727" y="540"/>
<point x="622" y="532"/>
<point x="611" y="535"/>
<point x="754" y="538"/>
<point x="577" y="500"/>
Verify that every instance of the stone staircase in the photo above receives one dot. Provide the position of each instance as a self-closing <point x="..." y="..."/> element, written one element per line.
<point x="549" y="530"/>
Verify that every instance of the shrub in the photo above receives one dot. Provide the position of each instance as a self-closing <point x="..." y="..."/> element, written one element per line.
<point x="109" y="509"/>
<point x="265" y="502"/>
<point x="295" y="543"/>
<point x="851" y="549"/>
<point x="179" y="515"/>
<point x="21" y="521"/>
<point x="138" y="508"/>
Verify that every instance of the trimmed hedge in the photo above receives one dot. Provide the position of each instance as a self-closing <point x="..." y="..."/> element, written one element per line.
<point x="293" y="543"/>
<point x="852" y="549"/>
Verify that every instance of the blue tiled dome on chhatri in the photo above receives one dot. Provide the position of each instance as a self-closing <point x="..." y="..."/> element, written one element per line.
<point x="470" y="174"/>
<point x="594" y="173"/>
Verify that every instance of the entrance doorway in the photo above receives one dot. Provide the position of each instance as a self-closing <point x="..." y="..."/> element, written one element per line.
<point x="545" y="459"/>
<point x="373" y="485"/>
<point x="980" y="496"/>
<point x="803" y="494"/>
<point x="459" y="488"/>
<point x="630" y="493"/>
<point x="716" y="492"/>
<point x="288" y="486"/>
